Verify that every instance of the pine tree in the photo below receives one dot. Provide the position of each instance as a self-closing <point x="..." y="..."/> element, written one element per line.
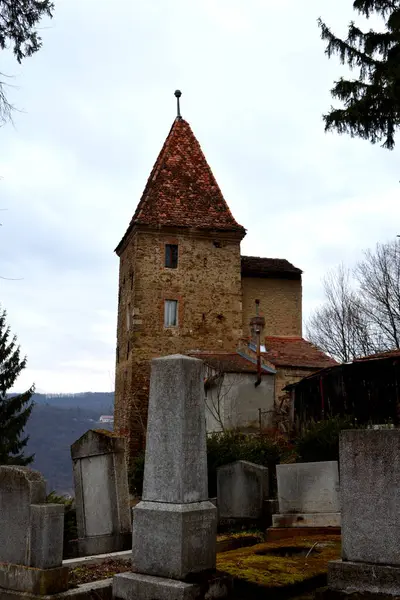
<point x="19" y="21"/>
<point x="14" y="410"/>
<point x="372" y="100"/>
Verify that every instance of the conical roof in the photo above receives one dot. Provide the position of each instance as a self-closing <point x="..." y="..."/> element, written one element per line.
<point x="181" y="190"/>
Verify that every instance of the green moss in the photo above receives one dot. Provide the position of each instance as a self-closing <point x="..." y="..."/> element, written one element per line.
<point x="257" y="566"/>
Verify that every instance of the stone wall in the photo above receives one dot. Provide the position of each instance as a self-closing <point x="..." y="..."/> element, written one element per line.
<point x="207" y="286"/>
<point x="280" y="304"/>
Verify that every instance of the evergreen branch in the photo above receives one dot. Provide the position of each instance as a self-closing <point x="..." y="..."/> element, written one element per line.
<point x="15" y="410"/>
<point x="381" y="7"/>
<point x="347" y="53"/>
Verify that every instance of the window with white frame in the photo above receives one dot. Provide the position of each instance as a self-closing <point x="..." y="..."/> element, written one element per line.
<point x="171" y="313"/>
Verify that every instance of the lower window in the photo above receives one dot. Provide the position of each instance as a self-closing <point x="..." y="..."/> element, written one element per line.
<point x="171" y="313"/>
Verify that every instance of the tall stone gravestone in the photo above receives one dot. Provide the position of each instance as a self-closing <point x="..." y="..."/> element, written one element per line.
<point x="174" y="526"/>
<point x="31" y="535"/>
<point x="101" y="493"/>
<point x="370" y="502"/>
<point x="242" y="489"/>
<point x="308" y="495"/>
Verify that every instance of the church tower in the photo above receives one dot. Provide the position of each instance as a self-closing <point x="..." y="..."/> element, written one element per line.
<point x="179" y="276"/>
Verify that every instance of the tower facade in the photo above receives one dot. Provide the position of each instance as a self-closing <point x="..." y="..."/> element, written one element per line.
<point x="179" y="277"/>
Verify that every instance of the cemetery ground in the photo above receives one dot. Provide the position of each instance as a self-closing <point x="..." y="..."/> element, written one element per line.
<point x="292" y="567"/>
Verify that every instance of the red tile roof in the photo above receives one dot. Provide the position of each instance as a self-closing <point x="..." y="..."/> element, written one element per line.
<point x="379" y="355"/>
<point x="295" y="352"/>
<point x="181" y="190"/>
<point x="230" y="362"/>
<point x="254" y="266"/>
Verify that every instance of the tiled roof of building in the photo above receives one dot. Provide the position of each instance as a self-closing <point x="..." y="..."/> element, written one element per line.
<point x="295" y="352"/>
<point x="181" y="190"/>
<point x="254" y="266"/>
<point x="230" y="362"/>
<point x="379" y="355"/>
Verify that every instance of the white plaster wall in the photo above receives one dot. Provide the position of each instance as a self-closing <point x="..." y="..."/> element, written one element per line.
<point x="237" y="401"/>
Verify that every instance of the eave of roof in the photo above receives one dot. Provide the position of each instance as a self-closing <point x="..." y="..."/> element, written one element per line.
<point x="256" y="266"/>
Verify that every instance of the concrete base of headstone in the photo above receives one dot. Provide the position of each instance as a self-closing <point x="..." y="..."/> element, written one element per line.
<point x="180" y="539"/>
<point x="32" y="580"/>
<point x="104" y="544"/>
<point x="274" y="534"/>
<point x="352" y="577"/>
<point x="135" y="586"/>
<point x="307" y="520"/>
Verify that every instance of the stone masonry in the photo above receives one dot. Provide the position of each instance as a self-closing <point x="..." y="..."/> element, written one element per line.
<point x="208" y="312"/>
<point x="281" y="301"/>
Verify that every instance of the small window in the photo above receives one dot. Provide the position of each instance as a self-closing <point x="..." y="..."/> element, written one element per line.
<point x="171" y="256"/>
<point x="171" y="313"/>
<point x="128" y="317"/>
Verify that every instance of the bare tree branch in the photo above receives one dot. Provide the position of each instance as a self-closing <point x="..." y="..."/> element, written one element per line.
<point x="340" y="327"/>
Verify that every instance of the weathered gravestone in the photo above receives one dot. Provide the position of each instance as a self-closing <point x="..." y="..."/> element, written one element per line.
<point x="31" y="535"/>
<point x="308" y="495"/>
<point x="242" y="489"/>
<point x="370" y="503"/>
<point x="174" y="526"/>
<point x="101" y="493"/>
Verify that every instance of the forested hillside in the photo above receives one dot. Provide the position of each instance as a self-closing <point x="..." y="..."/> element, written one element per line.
<point x="55" y="423"/>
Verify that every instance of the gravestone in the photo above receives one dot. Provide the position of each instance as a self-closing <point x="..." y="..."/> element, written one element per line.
<point x="242" y="488"/>
<point x="101" y="493"/>
<point x="308" y="495"/>
<point x="174" y="526"/>
<point x="31" y="534"/>
<point x="370" y="502"/>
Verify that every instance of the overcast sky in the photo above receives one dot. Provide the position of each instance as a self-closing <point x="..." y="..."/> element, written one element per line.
<point x="98" y="103"/>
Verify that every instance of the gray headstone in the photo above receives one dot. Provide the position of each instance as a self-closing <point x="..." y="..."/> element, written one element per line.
<point x="308" y="487"/>
<point x="242" y="489"/>
<point x="47" y="533"/>
<point x="176" y="454"/>
<point x="370" y="496"/>
<point x="174" y="527"/>
<point x="20" y="487"/>
<point x="101" y="492"/>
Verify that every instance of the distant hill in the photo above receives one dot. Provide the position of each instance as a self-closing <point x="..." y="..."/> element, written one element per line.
<point x="98" y="401"/>
<point x="55" y="423"/>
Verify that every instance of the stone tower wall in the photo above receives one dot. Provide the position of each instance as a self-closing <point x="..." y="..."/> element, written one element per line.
<point x="280" y="304"/>
<point x="207" y="285"/>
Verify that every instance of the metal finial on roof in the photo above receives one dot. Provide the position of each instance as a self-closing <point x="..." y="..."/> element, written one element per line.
<point x="178" y="94"/>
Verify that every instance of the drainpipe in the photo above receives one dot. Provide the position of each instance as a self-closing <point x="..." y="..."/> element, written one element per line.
<point x="258" y="331"/>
